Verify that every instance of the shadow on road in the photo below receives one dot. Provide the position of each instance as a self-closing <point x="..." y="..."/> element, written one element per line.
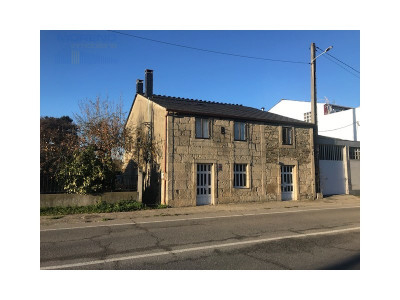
<point x="352" y="263"/>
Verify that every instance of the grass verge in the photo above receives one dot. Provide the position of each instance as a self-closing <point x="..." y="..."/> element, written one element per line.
<point x="101" y="207"/>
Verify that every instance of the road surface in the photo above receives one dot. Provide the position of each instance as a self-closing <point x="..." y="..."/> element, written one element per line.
<point x="324" y="237"/>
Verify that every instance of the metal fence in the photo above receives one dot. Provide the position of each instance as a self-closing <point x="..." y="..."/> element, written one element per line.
<point x="122" y="183"/>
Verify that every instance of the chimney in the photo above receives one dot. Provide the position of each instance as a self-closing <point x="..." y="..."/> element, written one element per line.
<point x="148" y="82"/>
<point x="139" y="86"/>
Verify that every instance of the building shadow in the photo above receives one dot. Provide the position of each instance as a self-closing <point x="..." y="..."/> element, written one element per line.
<point x="352" y="263"/>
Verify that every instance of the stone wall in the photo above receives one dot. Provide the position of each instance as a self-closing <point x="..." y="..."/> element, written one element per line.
<point x="53" y="200"/>
<point x="262" y="151"/>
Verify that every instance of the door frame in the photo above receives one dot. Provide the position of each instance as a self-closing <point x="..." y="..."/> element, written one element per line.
<point x="213" y="164"/>
<point x="296" y="181"/>
<point x="292" y="184"/>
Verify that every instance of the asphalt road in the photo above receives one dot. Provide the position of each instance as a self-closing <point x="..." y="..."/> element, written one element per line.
<point x="296" y="238"/>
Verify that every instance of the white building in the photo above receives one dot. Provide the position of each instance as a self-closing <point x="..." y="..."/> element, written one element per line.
<point x="338" y="141"/>
<point x="333" y="120"/>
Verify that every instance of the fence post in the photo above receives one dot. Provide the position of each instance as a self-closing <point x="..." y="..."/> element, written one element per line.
<point x="140" y="185"/>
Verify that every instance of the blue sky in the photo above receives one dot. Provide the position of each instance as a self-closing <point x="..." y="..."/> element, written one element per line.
<point x="78" y="65"/>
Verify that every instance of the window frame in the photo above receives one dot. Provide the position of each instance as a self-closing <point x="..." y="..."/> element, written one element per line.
<point x="244" y="131"/>
<point x="202" y="119"/>
<point x="354" y="153"/>
<point x="307" y="117"/>
<point x="284" y="135"/>
<point x="240" y="176"/>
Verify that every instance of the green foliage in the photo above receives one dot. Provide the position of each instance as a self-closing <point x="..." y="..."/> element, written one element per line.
<point x="58" y="140"/>
<point x="101" y="207"/>
<point x="87" y="173"/>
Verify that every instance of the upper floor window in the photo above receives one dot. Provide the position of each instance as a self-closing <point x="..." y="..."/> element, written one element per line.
<point x="287" y="135"/>
<point x="354" y="152"/>
<point x="240" y="131"/>
<point x="307" y="117"/>
<point x="202" y="128"/>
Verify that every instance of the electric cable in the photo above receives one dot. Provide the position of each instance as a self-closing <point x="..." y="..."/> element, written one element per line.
<point x="207" y="50"/>
<point x="339" y="65"/>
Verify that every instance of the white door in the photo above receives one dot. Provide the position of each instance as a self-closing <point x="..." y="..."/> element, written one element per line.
<point x="332" y="175"/>
<point x="203" y="184"/>
<point x="287" y="190"/>
<point x="332" y="170"/>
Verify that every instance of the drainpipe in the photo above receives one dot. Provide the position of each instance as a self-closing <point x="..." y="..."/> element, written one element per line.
<point x="165" y="158"/>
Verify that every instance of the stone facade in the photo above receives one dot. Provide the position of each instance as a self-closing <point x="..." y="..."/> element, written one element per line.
<point x="262" y="152"/>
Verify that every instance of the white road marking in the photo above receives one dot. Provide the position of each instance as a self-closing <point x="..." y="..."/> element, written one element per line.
<point x="110" y="260"/>
<point x="199" y="218"/>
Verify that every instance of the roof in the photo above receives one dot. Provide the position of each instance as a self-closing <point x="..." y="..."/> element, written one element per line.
<point x="222" y="110"/>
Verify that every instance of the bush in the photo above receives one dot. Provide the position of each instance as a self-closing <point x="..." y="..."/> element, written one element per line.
<point x="86" y="173"/>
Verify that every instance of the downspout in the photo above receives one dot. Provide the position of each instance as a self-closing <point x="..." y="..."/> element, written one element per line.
<point x="165" y="159"/>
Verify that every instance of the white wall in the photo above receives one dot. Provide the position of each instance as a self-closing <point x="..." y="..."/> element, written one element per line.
<point x="328" y="125"/>
<point x="341" y="125"/>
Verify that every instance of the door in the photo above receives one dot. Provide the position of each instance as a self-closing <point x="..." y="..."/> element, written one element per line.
<point x="203" y="184"/>
<point x="287" y="190"/>
<point x="332" y="170"/>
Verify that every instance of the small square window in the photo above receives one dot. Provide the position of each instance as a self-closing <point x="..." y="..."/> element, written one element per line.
<point x="240" y="131"/>
<point x="354" y="153"/>
<point x="202" y="128"/>
<point x="287" y="135"/>
<point x="307" y="117"/>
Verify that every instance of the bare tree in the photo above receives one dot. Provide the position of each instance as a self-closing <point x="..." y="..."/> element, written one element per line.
<point x="102" y="125"/>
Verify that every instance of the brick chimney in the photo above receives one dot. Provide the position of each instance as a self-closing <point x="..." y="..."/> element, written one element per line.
<point x="148" y="77"/>
<point x="139" y="86"/>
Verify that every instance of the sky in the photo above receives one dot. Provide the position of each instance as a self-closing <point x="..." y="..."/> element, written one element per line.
<point x="79" y="65"/>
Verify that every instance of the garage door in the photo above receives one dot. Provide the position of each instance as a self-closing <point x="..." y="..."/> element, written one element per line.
<point x="332" y="172"/>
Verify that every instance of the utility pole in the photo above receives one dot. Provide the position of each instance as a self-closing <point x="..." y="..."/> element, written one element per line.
<point x="314" y="118"/>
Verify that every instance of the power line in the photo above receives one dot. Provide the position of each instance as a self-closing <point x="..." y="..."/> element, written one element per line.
<point x="339" y="65"/>
<point x="340" y="61"/>
<point x="207" y="50"/>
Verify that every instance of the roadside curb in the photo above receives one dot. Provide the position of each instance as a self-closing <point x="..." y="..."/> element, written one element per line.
<point x="47" y="222"/>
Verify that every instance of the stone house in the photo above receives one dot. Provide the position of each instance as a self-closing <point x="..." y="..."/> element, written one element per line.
<point x="212" y="153"/>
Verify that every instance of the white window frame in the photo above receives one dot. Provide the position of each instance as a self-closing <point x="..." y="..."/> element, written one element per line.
<point x="202" y="132"/>
<point x="240" y="132"/>
<point x="240" y="175"/>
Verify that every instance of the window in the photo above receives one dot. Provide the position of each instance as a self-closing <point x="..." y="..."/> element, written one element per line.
<point x="202" y="128"/>
<point x="307" y="117"/>
<point x="354" y="152"/>
<point x="240" y="131"/>
<point x="239" y="175"/>
<point x="287" y="135"/>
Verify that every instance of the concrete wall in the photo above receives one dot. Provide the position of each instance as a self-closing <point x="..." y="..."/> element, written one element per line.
<point x="295" y="109"/>
<point x="348" y="119"/>
<point x="263" y="152"/>
<point x="355" y="176"/>
<point x="52" y="200"/>
<point x="344" y="123"/>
